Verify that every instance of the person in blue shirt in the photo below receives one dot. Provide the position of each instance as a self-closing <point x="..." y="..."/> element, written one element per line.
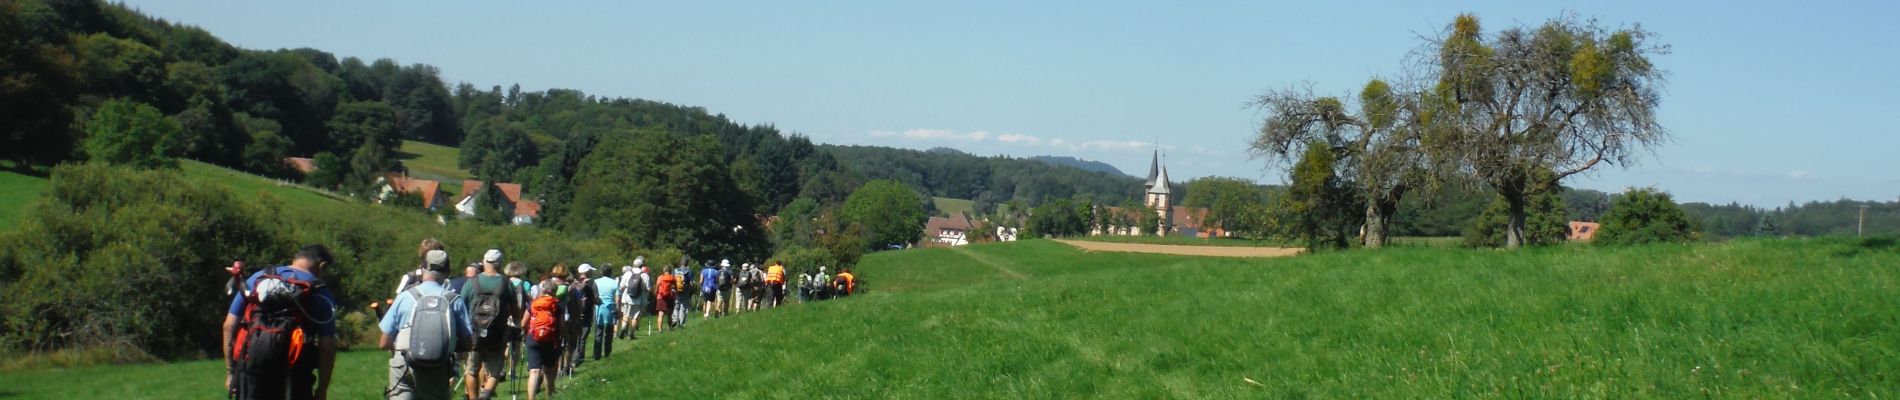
<point x="307" y="377"/>
<point x="709" y="287"/>
<point x="405" y="381"/>
<point x="607" y="289"/>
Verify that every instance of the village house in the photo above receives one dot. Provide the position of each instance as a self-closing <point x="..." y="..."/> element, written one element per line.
<point x="953" y="230"/>
<point x="389" y="186"/>
<point x="525" y="212"/>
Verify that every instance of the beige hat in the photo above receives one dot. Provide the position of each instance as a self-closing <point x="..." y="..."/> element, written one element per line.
<point x="436" y="260"/>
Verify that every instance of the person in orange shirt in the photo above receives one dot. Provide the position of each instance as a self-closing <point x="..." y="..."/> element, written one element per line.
<point x="845" y="282"/>
<point x="663" y="297"/>
<point x="775" y="282"/>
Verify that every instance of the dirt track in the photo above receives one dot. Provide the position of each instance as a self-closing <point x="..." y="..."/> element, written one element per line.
<point x="1214" y="251"/>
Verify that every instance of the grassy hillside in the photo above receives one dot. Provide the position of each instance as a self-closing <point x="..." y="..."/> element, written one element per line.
<point x="246" y="184"/>
<point x="949" y="206"/>
<point x="433" y="162"/>
<point x="17" y="193"/>
<point x="1036" y="319"/>
<point x="1185" y="241"/>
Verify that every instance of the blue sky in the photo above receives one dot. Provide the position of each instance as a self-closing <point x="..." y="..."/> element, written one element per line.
<point x="1768" y="102"/>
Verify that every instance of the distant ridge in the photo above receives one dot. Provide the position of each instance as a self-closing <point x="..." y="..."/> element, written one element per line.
<point x="1087" y="165"/>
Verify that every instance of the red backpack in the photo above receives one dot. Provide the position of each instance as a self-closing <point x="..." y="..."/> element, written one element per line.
<point x="271" y="331"/>
<point x="543" y="317"/>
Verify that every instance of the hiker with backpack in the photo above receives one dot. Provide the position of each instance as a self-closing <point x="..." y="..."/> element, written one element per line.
<point x="635" y="289"/>
<point x="845" y="283"/>
<point x="269" y="326"/>
<point x="683" y="296"/>
<point x="424" y="327"/>
<point x="491" y="303"/>
<point x="775" y="283"/>
<point x="709" y="287"/>
<point x="521" y="287"/>
<point x="663" y="298"/>
<point x="414" y="277"/>
<point x="754" y="286"/>
<point x="542" y="325"/>
<point x="607" y="289"/>
<point x="580" y="316"/>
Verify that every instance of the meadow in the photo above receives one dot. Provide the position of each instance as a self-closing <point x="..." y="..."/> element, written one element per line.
<point x="1038" y="319"/>
<point x="17" y="193"/>
<point x="434" y="162"/>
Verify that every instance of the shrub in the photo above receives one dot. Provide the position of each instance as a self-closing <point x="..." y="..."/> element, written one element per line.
<point x="119" y="257"/>
<point x="1645" y="216"/>
<point x="1546" y="222"/>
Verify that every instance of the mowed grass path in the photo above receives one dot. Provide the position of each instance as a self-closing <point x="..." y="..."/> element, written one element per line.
<point x="1037" y="319"/>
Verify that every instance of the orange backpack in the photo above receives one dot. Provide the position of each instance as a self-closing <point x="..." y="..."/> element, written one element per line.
<point x="542" y="319"/>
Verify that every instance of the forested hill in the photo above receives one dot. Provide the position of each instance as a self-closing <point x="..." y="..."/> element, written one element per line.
<point x="987" y="180"/>
<point x="1086" y="165"/>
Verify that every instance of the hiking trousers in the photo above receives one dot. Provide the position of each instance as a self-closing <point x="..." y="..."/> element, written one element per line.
<point x="603" y="341"/>
<point x="417" y="383"/>
<point x="277" y="384"/>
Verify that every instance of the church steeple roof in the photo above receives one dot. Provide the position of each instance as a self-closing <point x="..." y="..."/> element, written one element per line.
<point x="1154" y="167"/>
<point x="1159" y="185"/>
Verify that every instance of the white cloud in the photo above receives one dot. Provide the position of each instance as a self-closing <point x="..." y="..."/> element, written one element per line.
<point x="1019" y="138"/>
<point x="935" y="134"/>
<point x="1799" y="174"/>
<point x="1114" y="144"/>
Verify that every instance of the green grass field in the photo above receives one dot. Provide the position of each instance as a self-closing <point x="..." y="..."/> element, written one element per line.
<point x="246" y="184"/>
<point x="17" y="193"/>
<point x="1037" y="319"/>
<point x="949" y="206"/>
<point x="1184" y="241"/>
<point x="433" y="162"/>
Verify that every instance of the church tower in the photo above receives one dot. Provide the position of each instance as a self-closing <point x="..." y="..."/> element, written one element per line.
<point x="1157" y="197"/>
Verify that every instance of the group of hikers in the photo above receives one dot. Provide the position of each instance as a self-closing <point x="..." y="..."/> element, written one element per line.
<point x="473" y="330"/>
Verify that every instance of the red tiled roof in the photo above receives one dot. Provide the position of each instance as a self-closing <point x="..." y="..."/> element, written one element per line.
<point x="304" y="165"/>
<point x="1584" y="231"/>
<point x="422" y="187"/>
<point x="510" y="191"/>
<point x="469" y="187"/>
<point x="1188" y="217"/>
<point x="935" y="225"/>
<point x="528" y="209"/>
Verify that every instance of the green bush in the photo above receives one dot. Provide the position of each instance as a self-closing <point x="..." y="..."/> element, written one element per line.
<point x="120" y="257"/>
<point x="1645" y="215"/>
<point x="803" y="259"/>
<point x="1546" y="222"/>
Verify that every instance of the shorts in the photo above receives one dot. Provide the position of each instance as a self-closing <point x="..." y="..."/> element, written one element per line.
<point x="665" y="304"/>
<point x="627" y="310"/>
<point x="491" y="362"/>
<point x="543" y="356"/>
<point x="709" y="295"/>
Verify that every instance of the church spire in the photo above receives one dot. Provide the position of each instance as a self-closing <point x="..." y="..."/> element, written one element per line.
<point x="1160" y="183"/>
<point x="1154" y="167"/>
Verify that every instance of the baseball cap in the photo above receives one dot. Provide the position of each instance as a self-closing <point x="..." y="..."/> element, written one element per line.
<point x="436" y="260"/>
<point x="586" y="268"/>
<point x="493" y="255"/>
<point x="725" y="263"/>
<point x="640" y="261"/>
